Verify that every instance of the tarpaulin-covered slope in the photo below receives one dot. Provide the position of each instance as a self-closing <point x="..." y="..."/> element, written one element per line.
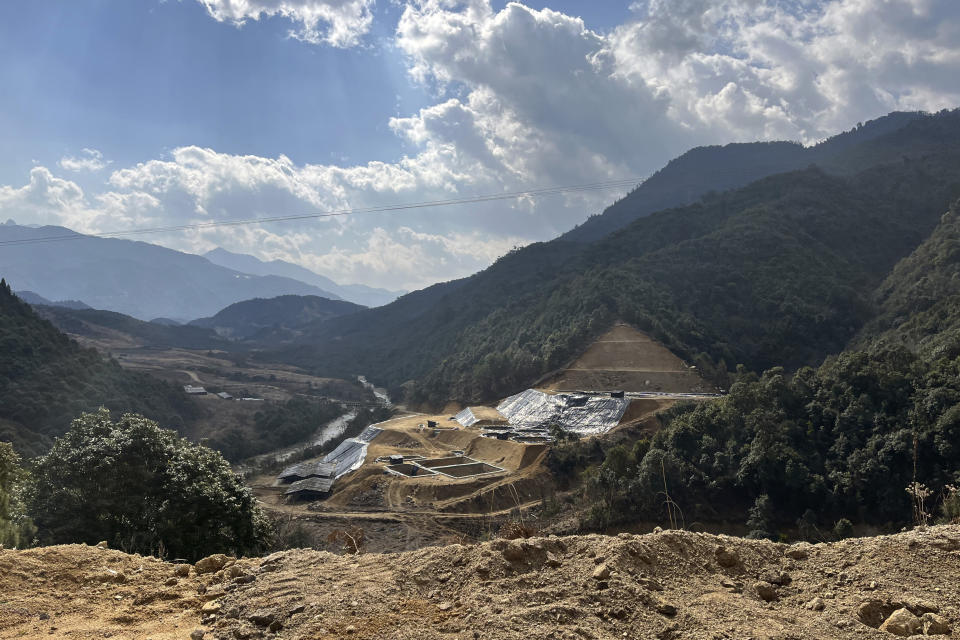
<point x="350" y="454"/>
<point x="579" y="413"/>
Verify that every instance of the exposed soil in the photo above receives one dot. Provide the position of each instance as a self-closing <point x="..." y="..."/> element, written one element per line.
<point x="673" y="584"/>
<point x="630" y="360"/>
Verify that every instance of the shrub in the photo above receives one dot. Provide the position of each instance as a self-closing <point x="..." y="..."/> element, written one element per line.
<point x="143" y="489"/>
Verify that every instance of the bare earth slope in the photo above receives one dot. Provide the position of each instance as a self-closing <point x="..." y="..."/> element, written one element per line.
<point x="664" y="585"/>
<point x="630" y="360"/>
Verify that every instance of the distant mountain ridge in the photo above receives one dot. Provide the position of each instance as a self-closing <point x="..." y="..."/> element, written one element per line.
<point x="275" y="319"/>
<point x="134" y="278"/>
<point x="36" y="299"/>
<point x="687" y="178"/>
<point x="356" y="293"/>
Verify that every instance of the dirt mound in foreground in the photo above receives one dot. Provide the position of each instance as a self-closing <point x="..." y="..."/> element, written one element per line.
<point x="664" y="585"/>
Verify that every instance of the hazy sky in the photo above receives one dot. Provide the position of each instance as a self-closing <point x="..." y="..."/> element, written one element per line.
<point x="118" y="114"/>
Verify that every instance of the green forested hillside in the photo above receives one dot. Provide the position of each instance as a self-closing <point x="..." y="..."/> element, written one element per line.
<point x="274" y="319"/>
<point x="47" y="379"/>
<point x="96" y="323"/>
<point x="919" y="303"/>
<point x="777" y="273"/>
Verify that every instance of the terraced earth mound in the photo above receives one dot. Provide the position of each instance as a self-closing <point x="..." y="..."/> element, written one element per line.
<point x="672" y="584"/>
<point x="627" y="359"/>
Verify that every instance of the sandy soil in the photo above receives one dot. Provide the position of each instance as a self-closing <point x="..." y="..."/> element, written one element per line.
<point x="673" y="584"/>
<point x="630" y="360"/>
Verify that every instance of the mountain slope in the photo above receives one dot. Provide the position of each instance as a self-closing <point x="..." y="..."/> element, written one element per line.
<point x="269" y="319"/>
<point x="919" y="303"/>
<point x="47" y="379"/>
<point x="356" y="293"/>
<point x="134" y="278"/>
<point x="94" y="323"/>
<point x="699" y="171"/>
<point x="779" y="272"/>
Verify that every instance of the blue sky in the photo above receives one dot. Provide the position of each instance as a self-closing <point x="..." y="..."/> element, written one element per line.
<point x="117" y="114"/>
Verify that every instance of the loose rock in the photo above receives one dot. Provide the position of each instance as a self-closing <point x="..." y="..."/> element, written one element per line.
<point x="902" y="623"/>
<point x="934" y="625"/>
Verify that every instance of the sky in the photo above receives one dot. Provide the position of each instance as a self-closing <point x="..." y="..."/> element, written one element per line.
<point x="121" y="114"/>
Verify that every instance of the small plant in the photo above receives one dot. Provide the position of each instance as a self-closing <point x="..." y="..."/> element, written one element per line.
<point x="918" y="498"/>
<point x="352" y="539"/>
<point x="513" y="530"/>
<point x="951" y="504"/>
<point x="842" y="529"/>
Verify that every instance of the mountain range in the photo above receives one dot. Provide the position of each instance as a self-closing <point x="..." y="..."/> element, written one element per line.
<point x="356" y="293"/>
<point x="137" y="279"/>
<point x="783" y="270"/>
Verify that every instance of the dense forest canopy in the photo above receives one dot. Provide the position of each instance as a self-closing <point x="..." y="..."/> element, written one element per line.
<point x="47" y="379"/>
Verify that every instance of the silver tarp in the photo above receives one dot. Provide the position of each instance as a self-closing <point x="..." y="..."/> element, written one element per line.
<point x="532" y="409"/>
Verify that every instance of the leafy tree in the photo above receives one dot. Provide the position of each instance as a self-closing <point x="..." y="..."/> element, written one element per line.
<point x="143" y="489"/>
<point x="15" y="529"/>
<point x="760" y="522"/>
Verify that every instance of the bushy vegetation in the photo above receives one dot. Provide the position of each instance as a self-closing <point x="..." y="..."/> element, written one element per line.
<point x="143" y="489"/>
<point x="278" y="425"/>
<point x="840" y="441"/>
<point x="16" y="529"/>
<point x="46" y="379"/>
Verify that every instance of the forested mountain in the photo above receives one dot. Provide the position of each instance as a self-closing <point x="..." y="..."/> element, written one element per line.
<point x="134" y="278"/>
<point x="94" y="323"/>
<point x="699" y="171"/>
<point x="919" y="302"/>
<point x="356" y="293"/>
<point x="780" y="272"/>
<point x="36" y="299"/>
<point x="274" y="319"/>
<point x="47" y="379"/>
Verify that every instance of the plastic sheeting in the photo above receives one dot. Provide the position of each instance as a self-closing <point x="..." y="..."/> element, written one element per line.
<point x="310" y="485"/>
<point x="351" y="453"/>
<point x="466" y="418"/>
<point x="308" y="470"/>
<point x="583" y="414"/>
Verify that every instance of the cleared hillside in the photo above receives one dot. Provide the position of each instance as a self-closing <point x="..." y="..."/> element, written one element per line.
<point x="674" y="584"/>
<point x="629" y="360"/>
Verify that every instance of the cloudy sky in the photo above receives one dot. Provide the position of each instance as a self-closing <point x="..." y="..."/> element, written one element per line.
<point x="121" y="114"/>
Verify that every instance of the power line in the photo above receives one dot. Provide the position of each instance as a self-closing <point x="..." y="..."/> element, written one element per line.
<point x="535" y="193"/>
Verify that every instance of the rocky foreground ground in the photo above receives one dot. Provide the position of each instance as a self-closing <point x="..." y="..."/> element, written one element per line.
<point x="673" y="584"/>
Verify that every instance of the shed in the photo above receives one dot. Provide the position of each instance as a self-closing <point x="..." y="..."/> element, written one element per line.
<point x="224" y="395"/>
<point x="396" y="459"/>
<point x="311" y="488"/>
<point x="194" y="391"/>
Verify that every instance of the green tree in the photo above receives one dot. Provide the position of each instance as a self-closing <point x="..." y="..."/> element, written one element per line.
<point x="15" y="529"/>
<point x="143" y="489"/>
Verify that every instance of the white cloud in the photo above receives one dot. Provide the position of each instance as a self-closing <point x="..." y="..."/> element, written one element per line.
<point x="340" y="23"/>
<point x="89" y="160"/>
<point x="530" y="98"/>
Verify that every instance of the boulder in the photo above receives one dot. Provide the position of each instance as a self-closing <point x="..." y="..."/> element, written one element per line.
<point x="934" y="625"/>
<point x="726" y="558"/>
<point x="211" y="564"/>
<point x="602" y="572"/>
<point x="902" y="623"/>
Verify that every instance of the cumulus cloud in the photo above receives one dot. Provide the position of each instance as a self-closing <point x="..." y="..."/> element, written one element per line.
<point x="530" y="98"/>
<point x="340" y="23"/>
<point x="89" y="160"/>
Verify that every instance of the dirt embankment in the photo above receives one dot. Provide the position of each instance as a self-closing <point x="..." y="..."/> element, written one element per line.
<point x="663" y="585"/>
